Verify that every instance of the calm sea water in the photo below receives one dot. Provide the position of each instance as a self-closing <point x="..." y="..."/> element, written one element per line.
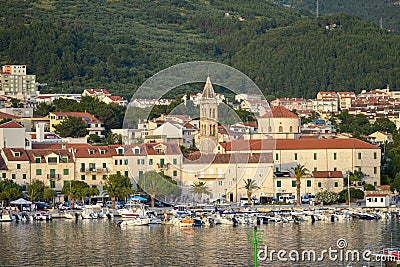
<point x="99" y="243"/>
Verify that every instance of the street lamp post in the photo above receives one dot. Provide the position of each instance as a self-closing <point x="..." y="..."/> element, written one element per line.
<point x="348" y="188"/>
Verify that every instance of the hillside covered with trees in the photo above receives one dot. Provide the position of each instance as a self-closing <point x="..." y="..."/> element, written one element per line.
<point x="380" y="12"/>
<point x="117" y="45"/>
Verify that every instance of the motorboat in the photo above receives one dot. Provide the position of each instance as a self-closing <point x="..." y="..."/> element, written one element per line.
<point x="186" y="222"/>
<point x="182" y="210"/>
<point x="140" y="220"/>
<point x="132" y="210"/>
<point x="5" y="216"/>
<point x="42" y="216"/>
<point x="69" y="215"/>
<point x="203" y="222"/>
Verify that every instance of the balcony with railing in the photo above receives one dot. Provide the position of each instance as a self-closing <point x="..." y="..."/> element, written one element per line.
<point x="163" y="167"/>
<point x="98" y="170"/>
<point x="54" y="176"/>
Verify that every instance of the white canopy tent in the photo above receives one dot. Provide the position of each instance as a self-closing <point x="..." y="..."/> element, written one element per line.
<point x="21" y="202"/>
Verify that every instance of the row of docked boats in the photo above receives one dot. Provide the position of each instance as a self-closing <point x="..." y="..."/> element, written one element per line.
<point x="7" y="216"/>
<point x="89" y="212"/>
<point x="137" y="214"/>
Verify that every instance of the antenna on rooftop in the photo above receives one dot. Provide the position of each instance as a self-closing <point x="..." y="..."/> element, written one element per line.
<point x="317" y="10"/>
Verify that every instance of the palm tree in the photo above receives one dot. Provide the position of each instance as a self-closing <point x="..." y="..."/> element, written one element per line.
<point x="200" y="188"/>
<point x="117" y="185"/>
<point x="299" y="171"/>
<point x="250" y="186"/>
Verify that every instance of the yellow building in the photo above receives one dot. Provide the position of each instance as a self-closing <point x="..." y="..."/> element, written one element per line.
<point x="94" y="125"/>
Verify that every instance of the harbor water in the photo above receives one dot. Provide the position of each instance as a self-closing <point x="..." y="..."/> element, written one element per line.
<point x="65" y="242"/>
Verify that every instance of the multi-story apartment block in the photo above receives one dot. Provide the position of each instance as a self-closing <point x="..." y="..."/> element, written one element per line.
<point x="346" y="99"/>
<point x="159" y="157"/>
<point x="16" y="83"/>
<point x="93" y="163"/>
<point x="16" y="166"/>
<point x="301" y="105"/>
<point x="53" y="167"/>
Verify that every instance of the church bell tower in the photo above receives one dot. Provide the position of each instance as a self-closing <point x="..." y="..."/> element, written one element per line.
<point x="208" y="138"/>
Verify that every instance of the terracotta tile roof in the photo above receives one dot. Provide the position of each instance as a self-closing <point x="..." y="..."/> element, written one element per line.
<point x="328" y="93"/>
<point x="3" y="165"/>
<point x="327" y="174"/>
<point x="347" y="94"/>
<point x="10" y="154"/>
<point x="197" y="158"/>
<point x="42" y="153"/>
<point x="95" y="151"/>
<point x="308" y="136"/>
<point x="189" y="126"/>
<point x="87" y="117"/>
<point x="246" y="145"/>
<point x="153" y="149"/>
<point x="279" y="112"/>
<point x="94" y="91"/>
<point x="4" y="115"/>
<point x="384" y="187"/>
<point x="44" y="96"/>
<point x="296" y="144"/>
<point x="116" y="98"/>
<point x="11" y="125"/>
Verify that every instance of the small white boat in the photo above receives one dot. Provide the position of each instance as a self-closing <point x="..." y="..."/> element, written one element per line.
<point x="5" y="216"/>
<point x="43" y="216"/>
<point x="132" y="210"/>
<point x="141" y="220"/>
<point x="69" y="215"/>
<point x="225" y="221"/>
<point x="87" y="214"/>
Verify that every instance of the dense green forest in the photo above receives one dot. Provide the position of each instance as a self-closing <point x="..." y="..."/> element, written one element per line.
<point x="117" y="45"/>
<point x="385" y="13"/>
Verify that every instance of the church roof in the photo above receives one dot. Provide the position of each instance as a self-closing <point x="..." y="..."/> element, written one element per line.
<point x="279" y="112"/>
<point x="208" y="91"/>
